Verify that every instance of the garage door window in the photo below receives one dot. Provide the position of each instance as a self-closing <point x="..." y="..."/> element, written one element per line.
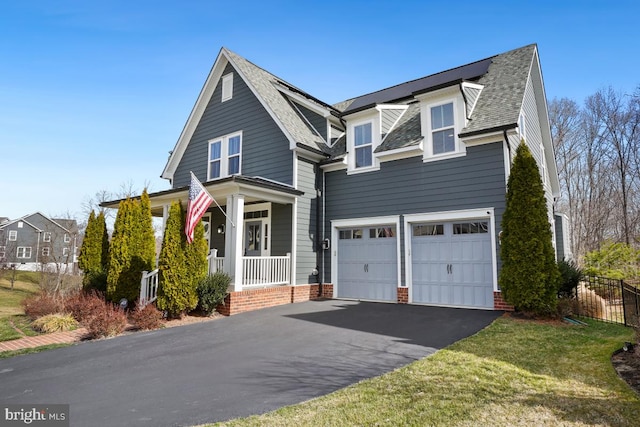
<point x="355" y="233"/>
<point x="428" y="230"/>
<point x="381" y="232"/>
<point x="471" y="228"/>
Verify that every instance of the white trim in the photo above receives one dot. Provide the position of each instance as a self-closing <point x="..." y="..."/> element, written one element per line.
<point x="227" y="87"/>
<point x="196" y="114"/>
<point x="361" y="222"/>
<point x="13" y="235"/>
<point x="401" y="153"/>
<point x="485" y="138"/>
<point x="46" y="236"/>
<point x="439" y="98"/>
<point x="265" y="221"/>
<point x="447" y="216"/>
<point x="332" y="167"/>
<point x="351" y="147"/>
<point x="294" y="242"/>
<point x="24" y="250"/>
<point x="306" y="120"/>
<point x="316" y="108"/>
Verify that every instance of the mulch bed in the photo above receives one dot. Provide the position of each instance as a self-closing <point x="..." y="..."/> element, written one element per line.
<point x="627" y="364"/>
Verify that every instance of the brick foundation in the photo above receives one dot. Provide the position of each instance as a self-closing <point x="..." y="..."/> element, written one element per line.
<point x="403" y="295"/>
<point x="255" y="299"/>
<point x="499" y="304"/>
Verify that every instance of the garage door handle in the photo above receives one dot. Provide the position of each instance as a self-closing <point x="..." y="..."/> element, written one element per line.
<point x="366" y="268"/>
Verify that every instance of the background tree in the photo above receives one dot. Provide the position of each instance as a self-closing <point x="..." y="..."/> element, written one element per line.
<point x="597" y="148"/>
<point x="529" y="275"/>
<point x="94" y="253"/>
<point x="176" y="291"/>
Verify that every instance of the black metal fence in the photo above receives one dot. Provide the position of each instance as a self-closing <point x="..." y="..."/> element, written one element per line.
<point x="609" y="300"/>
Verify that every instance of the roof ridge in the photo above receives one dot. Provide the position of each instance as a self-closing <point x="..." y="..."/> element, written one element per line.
<point x="434" y="74"/>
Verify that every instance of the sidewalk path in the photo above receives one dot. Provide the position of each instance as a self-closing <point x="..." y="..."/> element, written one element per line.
<point x="46" y="339"/>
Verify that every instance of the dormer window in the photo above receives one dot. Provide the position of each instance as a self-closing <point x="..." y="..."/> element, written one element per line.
<point x="227" y="87"/>
<point x="363" y="136"/>
<point x="442" y="117"/>
<point x="363" y="141"/>
<point x="443" y="129"/>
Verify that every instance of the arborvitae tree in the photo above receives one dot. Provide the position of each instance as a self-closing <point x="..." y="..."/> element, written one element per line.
<point x="196" y="256"/>
<point x="94" y="252"/>
<point x="529" y="277"/>
<point x="104" y="242"/>
<point x="89" y="258"/>
<point x="147" y="234"/>
<point x="176" y="291"/>
<point x="119" y="255"/>
<point x="132" y="249"/>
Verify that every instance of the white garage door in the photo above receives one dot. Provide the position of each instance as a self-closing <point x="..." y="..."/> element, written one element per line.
<point x="452" y="264"/>
<point x="368" y="263"/>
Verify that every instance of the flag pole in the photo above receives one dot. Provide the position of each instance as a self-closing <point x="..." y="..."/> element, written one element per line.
<point x="216" y="202"/>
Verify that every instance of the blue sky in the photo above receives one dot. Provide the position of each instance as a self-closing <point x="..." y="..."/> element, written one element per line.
<point x="95" y="94"/>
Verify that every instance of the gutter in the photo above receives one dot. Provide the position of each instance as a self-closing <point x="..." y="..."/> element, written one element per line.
<point x="488" y="130"/>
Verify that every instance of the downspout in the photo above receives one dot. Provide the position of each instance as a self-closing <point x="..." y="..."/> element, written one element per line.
<point x="319" y="250"/>
<point x="506" y="140"/>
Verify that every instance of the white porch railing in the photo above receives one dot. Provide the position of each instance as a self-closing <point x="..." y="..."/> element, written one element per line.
<point x="266" y="270"/>
<point x="148" y="287"/>
<point x="214" y="262"/>
<point x="256" y="271"/>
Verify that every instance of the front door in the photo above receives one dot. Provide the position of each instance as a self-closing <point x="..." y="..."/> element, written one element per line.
<point x="252" y="238"/>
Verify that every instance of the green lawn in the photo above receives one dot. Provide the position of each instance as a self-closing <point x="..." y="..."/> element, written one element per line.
<point x="11" y="309"/>
<point x="513" y="373"/>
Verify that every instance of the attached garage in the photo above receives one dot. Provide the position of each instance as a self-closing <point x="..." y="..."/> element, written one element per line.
<point x="451" y="263"/>
<point x="367" y="262"/>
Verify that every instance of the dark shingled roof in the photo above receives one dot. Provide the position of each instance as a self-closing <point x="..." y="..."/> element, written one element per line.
<point x="407" y="131"/>
<point x="407" y="90"/>
<point x="504" y="85"/>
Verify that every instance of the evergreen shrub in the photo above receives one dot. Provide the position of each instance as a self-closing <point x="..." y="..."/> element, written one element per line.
<point x="212" y="290"/>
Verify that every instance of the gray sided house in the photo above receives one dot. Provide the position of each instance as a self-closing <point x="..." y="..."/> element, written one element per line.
<point x="36" y="242"/>
<point x="393" y="196"/>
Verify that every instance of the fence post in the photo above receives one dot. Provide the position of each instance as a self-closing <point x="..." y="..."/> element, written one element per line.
<point x="143" y="289"/>
<point x="624" y="306"/>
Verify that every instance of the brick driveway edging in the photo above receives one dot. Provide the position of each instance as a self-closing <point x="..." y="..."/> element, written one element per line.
<point x="66" y="337"/>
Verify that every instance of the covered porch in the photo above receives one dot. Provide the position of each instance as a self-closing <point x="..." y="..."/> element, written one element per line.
<point x="251" y="236"/>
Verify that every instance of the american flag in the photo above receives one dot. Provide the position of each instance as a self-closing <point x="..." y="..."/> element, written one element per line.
<point x="199" y="201"/>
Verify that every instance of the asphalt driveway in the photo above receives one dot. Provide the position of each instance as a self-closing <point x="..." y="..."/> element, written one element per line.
<point x="231" y="367"/>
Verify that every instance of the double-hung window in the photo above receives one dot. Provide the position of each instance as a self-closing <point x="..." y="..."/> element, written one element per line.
<point x="46" y="237"/>
<point x="24" y="252"/>
<point x="363" y="141"/>
<point x="442" y="129"/>
<point x="13" y="235"/>
<point x="225" y="156"/>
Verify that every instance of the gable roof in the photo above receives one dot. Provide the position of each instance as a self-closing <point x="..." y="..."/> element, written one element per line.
<point x="503" y="78"/>
<point x="265" y="86"/>
<point x="68" y="225"/>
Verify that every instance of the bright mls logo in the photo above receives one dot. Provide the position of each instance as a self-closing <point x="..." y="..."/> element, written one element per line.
<point x="36" y="415"/>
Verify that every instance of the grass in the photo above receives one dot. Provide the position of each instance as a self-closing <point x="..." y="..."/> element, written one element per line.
<point x="8" y="354"/>
<point x="11" y="308"/>
<point x="513" y="373"/>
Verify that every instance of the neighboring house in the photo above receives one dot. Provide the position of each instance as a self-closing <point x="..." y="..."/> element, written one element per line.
<point x="36" y="242"/>
<point x="393" y="196"/>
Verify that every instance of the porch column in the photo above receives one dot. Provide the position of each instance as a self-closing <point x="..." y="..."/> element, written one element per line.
<point x="234" y="241"/>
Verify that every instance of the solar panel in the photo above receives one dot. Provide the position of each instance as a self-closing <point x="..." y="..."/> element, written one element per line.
<point x="405" y="90"/>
